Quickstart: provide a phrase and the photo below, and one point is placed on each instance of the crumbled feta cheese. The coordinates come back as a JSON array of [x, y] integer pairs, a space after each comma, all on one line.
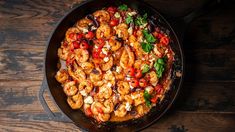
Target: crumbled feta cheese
[[132, 13], [104, 50], [88, 100], [107, 45], [130, 30], [149, 89], [84, 30], [131, 86], [117, 15], [106, 59], [128, 106], [96, 47], [109, 85], [131, 44], [93, 28], [128, 78], [118, 69], [83, 92]]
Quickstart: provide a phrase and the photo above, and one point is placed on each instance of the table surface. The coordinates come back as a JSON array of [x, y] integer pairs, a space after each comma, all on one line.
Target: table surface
[[207, 100]]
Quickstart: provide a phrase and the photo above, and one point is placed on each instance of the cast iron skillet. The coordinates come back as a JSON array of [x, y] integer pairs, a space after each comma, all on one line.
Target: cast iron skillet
[[56, 91]]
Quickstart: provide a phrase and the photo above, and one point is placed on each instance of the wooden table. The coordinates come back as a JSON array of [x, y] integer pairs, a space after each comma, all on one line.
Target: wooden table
[[207, 101]]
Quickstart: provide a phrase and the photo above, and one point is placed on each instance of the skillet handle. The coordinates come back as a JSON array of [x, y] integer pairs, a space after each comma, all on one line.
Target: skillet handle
[[53, 116]]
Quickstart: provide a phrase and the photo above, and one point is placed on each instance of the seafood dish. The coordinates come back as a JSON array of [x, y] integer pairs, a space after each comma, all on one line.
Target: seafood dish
[[115, 64]]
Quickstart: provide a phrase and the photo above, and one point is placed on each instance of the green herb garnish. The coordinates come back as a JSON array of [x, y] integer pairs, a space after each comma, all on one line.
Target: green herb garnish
[[145, 68], [148, 36], [141, 20], [147, 98], [159, 65], [123, 7], [129, 19], [147, 47]]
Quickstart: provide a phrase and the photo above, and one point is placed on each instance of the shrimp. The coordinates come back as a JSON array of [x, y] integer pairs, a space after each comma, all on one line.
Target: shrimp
[[70, 38], [140, 110], [115, 45], [87, 109], [119, 76], [76, 73], [138, 64], [76, 101], [138, 97], [81, 55], [103, 117], [83, 23], [121, 111], [109, 78], [126, 98], [62, 76], [87, 67], [123, 87], [122, 31], [105, 66], [104, 31], [87, 85], [153, 78], [70, 88], [105, 91], [102, 16], [96, 77], [127, 59], [132, 39], [63, 53]]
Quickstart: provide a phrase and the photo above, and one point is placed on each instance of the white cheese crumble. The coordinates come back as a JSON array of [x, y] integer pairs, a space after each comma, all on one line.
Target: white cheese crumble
[[131, 44], [130, 30], [109, 85], [93, 28], [117, 15], [106, 59], [128, 106], [83, 92], [84, 30], [118, 69], [88, 100], [128, 78], [131, 86], [132, 13], [149, 89], [107, 45], [104, 50]]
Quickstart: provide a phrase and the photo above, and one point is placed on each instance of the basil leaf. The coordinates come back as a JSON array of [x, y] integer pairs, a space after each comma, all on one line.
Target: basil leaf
[[148, 36], [129, 19], [147, 47], [159, 65], [145, 68], [141, 20], [123, 7], [147, 98]]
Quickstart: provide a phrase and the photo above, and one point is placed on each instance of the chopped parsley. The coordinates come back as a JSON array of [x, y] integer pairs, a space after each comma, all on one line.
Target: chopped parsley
[[145, 68], [129, 19], [148, 36], [159, 65], [141, 20], [147, 47], [123, 7], [147, 98]]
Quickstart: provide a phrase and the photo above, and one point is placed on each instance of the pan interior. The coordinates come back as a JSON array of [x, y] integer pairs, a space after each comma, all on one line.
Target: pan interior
[[57, 91]]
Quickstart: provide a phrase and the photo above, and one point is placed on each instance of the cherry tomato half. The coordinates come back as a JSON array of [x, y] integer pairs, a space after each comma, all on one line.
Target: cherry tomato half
[[131, 71], [159, 88], [79, 36], [99, 43], [90, 35], [84, 45], [72, 36], [138, 74], [143, 83], [112, 10], [114, 22], [88, 112], [75, 45], [154, 99], [164, 40], [134, 82]]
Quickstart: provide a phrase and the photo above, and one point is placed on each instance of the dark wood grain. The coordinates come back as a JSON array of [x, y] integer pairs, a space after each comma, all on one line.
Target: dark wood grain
[[206, 101]]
